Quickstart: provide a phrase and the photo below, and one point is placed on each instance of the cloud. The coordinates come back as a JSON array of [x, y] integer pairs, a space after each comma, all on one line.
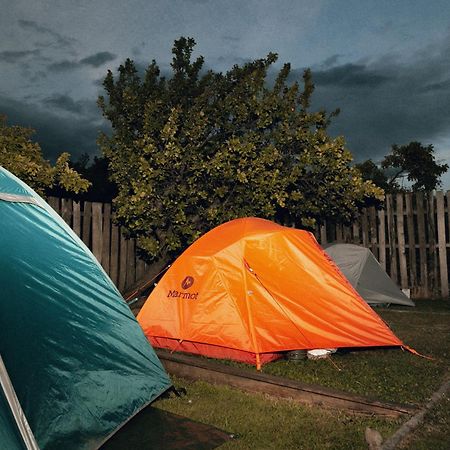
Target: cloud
[[15, 56], [60, 40], [66, 103], [98, 59], [95, 60], [63, 66], [387, 101], [55, 133], [350, 75]]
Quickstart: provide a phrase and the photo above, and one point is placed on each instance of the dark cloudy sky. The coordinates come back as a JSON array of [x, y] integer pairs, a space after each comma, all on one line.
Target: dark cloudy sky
[[384, 63]]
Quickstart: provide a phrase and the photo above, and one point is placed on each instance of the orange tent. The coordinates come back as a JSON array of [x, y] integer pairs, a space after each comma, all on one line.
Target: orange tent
[[250, 289]]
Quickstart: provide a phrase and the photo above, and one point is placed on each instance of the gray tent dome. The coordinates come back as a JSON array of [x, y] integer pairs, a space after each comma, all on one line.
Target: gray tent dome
[[366, 275]]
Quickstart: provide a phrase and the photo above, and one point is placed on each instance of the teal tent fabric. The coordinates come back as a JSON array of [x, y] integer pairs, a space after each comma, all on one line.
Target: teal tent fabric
[[78, 360], [9, 433]]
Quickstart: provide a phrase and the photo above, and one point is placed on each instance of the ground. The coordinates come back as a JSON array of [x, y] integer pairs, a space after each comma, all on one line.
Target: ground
[[262, 423]]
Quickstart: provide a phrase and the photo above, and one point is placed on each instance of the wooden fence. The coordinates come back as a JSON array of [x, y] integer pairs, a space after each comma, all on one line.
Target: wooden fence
[[93, 223], [410, 237]]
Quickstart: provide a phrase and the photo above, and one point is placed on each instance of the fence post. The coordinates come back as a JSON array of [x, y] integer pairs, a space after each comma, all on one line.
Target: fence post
[[423, 291], [411, 240], [382, 238], [401, 242], [443, 271], [97, 231]]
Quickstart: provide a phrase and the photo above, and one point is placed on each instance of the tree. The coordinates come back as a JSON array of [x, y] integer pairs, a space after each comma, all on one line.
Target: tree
[[371, 172], [413, 161], [417, 163], [102, 189], [23, 157], [198, 149]]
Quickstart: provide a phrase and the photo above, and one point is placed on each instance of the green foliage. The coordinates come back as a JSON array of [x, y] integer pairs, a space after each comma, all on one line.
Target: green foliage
[[417, 163], [370, 171], [96, 172], [413, 161], [201, 148], [23, 157]]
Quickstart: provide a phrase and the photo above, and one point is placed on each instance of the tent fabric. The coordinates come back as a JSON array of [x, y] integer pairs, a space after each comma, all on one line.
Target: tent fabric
[[366, 275], [76, 357], [14, 415], [254, 288]]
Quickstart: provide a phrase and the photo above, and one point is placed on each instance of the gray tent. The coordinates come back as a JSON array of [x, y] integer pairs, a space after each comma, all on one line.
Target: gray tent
[[366, 275]]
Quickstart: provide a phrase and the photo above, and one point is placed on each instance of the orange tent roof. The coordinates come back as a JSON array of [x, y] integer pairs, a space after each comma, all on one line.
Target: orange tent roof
[[251, 288]]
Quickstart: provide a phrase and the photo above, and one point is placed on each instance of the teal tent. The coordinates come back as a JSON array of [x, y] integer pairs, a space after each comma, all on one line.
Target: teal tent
[[74, 363]]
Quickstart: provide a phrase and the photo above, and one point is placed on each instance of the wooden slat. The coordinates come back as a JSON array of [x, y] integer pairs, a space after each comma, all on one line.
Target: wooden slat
[[355, 227], [87, 216], [106, 245], [76, 224], [347, 234], [114, 259], [131, 262], [54, 203], [423, 263], [123, 263], [339, 235], [401, 242], [316, 231], [411, 240], [391, 238], [373, 231], [97, 225], [66, 210], [140, 268], [382, 238], [443, 271], [432, 261], [365, 228], [323, 233], [448, 216], [190, 367]]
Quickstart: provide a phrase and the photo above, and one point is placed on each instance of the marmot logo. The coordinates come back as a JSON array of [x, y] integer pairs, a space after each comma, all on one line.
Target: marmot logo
[[187, 282]]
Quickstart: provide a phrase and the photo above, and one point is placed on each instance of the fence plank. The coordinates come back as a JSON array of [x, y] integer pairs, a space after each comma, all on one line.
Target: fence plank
[[323, 233], [114, 259], [356, 232], [401, 242], [97, 225], [106, 244], [391, 238], [382, 238], [373, 231], [54, 203], [140, 268], [411, 240], [347, 234], [131, 262], [432, 262], [424, 290], [66, 210], [364, 228], [87, 215], [123, 263], [442, 244], [76, 224], [339, 235]]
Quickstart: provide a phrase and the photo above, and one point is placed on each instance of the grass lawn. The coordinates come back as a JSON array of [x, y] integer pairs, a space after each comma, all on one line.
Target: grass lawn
[[265, 423]]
